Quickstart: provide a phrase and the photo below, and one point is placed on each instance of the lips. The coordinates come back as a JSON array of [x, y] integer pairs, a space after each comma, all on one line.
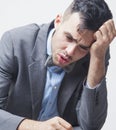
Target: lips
[[63, 59]]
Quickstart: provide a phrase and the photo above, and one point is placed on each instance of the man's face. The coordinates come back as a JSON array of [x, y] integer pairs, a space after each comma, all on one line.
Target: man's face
[[69, 44]]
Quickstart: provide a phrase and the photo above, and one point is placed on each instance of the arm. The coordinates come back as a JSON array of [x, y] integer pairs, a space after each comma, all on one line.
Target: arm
[[98, 50], [7, 120], [92, 108]]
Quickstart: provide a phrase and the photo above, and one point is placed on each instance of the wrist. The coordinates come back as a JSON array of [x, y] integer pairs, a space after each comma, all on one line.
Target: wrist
[[97, 59], [28, 124], [96, 71], [23, 125]]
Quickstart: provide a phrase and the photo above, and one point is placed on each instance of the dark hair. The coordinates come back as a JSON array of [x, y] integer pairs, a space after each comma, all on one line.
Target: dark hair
[[93, 12]]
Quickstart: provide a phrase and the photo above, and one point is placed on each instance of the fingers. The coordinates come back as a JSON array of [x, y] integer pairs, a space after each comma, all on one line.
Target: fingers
[[58, 123], [106, 32], [110, 28], [65, 124]]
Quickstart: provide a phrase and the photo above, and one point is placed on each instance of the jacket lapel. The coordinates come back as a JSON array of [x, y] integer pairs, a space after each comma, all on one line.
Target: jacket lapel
[[37, 70], [37, 74], [72, 81]]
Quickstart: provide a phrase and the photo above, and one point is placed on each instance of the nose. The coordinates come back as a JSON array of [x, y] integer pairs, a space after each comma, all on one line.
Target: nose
[[71, 49]]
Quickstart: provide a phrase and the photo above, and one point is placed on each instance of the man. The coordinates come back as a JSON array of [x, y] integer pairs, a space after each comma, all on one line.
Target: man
[[52, 76]]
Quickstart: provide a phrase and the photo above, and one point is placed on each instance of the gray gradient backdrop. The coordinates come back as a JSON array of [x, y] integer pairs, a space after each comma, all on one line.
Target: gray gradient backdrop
[[14, 13]]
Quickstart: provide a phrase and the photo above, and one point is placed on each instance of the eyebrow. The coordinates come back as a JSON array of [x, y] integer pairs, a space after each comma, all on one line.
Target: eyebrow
[[81, 45]]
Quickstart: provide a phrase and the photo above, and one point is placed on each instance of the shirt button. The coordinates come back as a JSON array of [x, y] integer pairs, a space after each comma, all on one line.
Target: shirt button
[[55, 87]]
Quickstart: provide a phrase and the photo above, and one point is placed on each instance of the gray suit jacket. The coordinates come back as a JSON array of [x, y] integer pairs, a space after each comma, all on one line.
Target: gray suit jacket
[[22, 81]]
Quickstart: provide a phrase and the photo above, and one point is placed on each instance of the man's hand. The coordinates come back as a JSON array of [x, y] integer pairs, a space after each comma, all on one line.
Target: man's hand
[[103, 38], [55, 123]]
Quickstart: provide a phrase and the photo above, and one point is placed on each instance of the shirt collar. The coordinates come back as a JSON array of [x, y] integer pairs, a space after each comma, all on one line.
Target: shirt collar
[[49, 45]]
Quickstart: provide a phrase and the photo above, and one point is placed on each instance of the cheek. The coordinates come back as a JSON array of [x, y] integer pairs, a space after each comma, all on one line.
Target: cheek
[[60, 46], [79, 54], [57, 47]]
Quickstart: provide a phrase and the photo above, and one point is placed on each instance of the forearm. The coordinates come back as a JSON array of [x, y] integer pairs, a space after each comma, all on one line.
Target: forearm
[[96, 71]]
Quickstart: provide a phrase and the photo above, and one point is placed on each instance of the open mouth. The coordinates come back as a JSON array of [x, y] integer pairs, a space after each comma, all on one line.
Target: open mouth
[[62, 59]]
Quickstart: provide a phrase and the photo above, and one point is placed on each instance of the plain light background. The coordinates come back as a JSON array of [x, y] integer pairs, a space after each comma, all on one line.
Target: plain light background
[[15, 13]]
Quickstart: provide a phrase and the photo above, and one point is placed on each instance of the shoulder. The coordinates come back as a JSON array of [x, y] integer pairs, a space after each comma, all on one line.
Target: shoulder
[[23, 32]]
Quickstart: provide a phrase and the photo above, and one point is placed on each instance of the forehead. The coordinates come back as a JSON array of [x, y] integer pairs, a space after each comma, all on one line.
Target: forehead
[[73, 25], [73, 21]]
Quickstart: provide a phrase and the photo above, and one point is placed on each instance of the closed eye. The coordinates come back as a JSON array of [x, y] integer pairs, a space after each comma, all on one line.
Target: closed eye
[[69, 38], [86, 48]]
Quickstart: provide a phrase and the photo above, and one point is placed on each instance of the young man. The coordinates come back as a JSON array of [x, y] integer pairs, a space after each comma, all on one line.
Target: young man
[[52, 76]]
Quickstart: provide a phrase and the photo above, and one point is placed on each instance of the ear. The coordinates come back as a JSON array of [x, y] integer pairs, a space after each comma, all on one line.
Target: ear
[[57, 20]]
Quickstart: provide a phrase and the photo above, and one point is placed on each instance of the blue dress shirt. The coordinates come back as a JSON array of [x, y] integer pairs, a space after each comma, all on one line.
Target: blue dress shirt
[[55, 75]]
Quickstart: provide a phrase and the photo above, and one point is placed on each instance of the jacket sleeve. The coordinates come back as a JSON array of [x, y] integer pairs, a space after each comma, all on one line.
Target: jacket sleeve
[[8, 121], [77, 128], [92, 107]]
